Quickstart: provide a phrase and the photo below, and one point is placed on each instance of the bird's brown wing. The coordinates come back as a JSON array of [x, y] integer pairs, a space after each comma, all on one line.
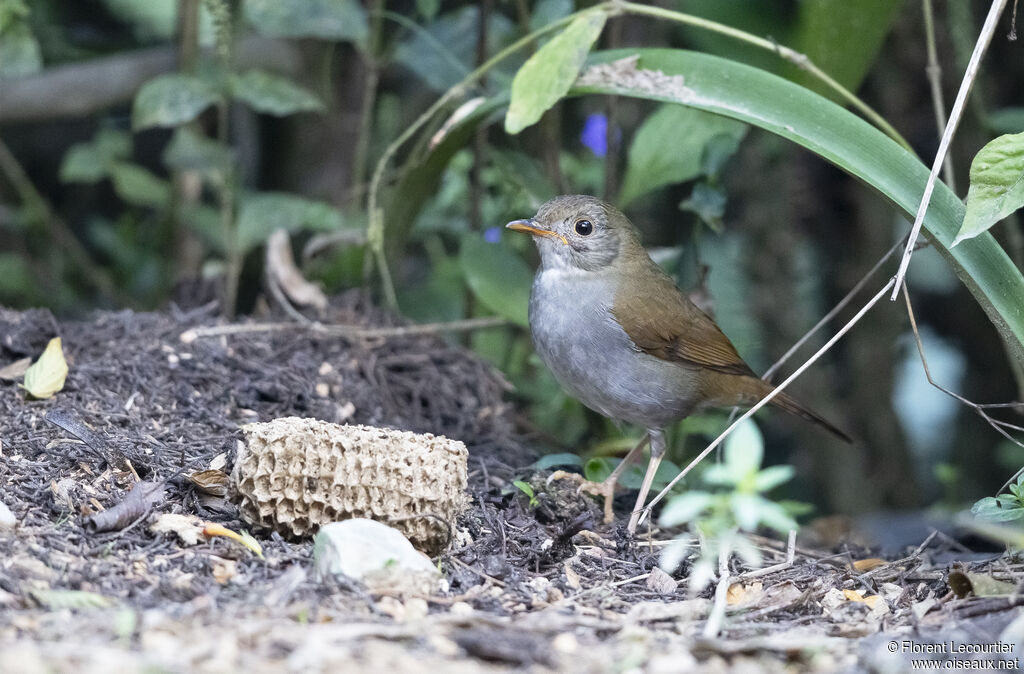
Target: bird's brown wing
[[661, 321]]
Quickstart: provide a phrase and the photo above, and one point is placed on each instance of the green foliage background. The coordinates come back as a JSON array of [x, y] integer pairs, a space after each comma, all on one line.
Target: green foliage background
[[246, 116]]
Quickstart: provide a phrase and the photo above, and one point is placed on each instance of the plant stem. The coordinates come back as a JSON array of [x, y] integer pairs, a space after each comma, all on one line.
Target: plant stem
[[369, 101], [934, 72], [971, 73], [796, 58]]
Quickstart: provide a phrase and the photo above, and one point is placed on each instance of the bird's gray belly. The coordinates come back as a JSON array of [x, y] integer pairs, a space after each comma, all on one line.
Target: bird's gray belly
[[593, 358]]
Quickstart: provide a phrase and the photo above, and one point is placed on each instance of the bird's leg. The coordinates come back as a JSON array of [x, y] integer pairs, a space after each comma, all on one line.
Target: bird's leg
[[605, 488], [657, 452]]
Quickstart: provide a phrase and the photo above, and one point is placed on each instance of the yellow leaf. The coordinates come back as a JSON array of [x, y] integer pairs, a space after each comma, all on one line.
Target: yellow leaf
[[868, 564], [245, 538], [858, 595], [46, 376]]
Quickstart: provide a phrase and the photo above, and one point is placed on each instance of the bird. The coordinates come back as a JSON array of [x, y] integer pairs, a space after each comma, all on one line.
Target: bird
[[619, 335]]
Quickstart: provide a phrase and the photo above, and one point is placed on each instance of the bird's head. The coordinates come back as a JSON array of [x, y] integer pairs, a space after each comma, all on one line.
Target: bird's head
[[580, 232]]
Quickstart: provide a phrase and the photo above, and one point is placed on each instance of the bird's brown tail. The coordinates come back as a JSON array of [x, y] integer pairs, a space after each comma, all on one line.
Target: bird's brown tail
[[790, 404]]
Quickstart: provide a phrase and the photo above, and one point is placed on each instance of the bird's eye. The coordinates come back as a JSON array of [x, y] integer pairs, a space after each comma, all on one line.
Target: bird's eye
[[583, 227]]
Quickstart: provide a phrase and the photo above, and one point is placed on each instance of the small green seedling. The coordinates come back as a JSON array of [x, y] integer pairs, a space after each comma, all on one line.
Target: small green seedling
[[528, 490]]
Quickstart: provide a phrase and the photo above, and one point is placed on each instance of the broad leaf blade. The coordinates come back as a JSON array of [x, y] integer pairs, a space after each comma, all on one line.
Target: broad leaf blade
[[668, 147], [46, 376], [497, 276], [547, 75], [997, 185], [170, 100], [774, 104], [325, 19], [272, 94]]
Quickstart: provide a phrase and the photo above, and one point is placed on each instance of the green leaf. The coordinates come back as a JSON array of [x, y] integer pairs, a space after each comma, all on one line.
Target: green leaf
[[550, 72], [997, 185], [797, 114], [746, 508], [526, 489], [1006, 120], [271, 94], [684, 508], [842, 37], [497, 276], [598, 468], [772, 476], [325, 19], [1003, 508], [192, 151], [552, 460], [92, 161], [774, 516], [171, 100], [262, 212], [444, 51], [139, 187], [744, 449], [669, 146], [708, 202], [19, 51]]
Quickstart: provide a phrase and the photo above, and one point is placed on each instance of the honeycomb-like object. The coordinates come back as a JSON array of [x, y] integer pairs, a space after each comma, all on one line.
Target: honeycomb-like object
[[295, 475]]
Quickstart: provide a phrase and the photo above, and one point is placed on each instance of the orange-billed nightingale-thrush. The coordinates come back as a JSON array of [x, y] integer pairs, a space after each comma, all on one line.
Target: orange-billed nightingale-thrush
[[619, 335]]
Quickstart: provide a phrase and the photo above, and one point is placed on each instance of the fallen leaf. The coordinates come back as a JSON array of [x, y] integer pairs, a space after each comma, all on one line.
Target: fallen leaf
[[224, 570], [868, 564], [46, 376], [858, 595], [213, 482], [661, 582], [740, 594], [980, 584], [15, 370], [58, 599], [188, 528], [213, 529]]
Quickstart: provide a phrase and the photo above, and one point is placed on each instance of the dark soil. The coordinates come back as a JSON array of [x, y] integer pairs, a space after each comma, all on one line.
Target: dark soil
[[544, 586]]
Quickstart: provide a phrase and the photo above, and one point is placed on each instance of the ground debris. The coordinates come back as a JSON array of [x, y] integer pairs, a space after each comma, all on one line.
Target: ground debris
[[542, 586]]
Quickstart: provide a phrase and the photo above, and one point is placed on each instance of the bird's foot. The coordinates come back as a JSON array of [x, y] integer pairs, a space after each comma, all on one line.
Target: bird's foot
[[605, 489]]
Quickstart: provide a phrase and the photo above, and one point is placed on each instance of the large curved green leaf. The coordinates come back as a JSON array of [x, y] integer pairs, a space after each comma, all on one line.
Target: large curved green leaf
[[777, 105]]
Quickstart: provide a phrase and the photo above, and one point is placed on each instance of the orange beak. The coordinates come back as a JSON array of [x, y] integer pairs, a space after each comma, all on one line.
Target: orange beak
[[529, 227]]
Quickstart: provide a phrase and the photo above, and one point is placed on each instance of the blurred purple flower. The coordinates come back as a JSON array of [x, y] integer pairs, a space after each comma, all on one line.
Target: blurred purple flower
[[492, 234], [595, 134]]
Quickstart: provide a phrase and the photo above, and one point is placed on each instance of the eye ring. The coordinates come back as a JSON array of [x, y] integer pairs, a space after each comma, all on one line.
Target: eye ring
[[583, 227]]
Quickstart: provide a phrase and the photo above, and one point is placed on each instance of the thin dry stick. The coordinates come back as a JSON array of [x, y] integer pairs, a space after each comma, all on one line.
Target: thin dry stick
[[987, 30], [764, 401], [782, 566], [348, 331], [934, 72], [979, 409], [714, 624]]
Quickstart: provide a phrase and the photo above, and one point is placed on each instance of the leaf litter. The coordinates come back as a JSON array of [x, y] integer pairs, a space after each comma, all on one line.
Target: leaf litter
[[535, 582]]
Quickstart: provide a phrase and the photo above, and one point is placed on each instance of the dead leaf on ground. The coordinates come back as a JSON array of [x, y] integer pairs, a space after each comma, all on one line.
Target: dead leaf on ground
[[15, 370], [661, 582], [213, 482], [868, 564], [46, 376], [964, 583], [740, 594], [188, 528], [282, 270]]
